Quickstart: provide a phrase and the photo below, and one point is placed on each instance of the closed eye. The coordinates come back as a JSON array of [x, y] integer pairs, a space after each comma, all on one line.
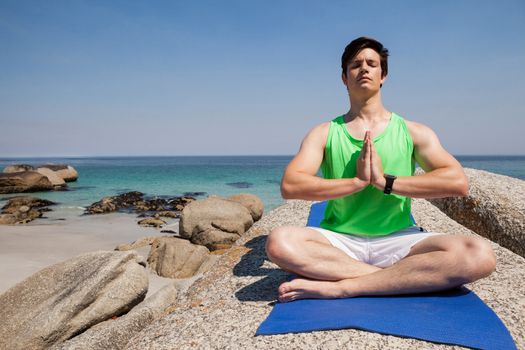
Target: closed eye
[[371, 63]]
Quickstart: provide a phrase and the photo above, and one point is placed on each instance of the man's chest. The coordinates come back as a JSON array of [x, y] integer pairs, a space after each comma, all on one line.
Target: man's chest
[[358, 130]]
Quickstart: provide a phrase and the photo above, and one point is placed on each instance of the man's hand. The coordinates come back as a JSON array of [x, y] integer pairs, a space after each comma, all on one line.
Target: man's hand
[[377, 177], [363, 168], [300, 180], [369, 167]]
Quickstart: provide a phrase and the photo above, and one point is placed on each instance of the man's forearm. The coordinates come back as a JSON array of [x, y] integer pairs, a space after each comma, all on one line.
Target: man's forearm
[[435, 184], [309, 187]]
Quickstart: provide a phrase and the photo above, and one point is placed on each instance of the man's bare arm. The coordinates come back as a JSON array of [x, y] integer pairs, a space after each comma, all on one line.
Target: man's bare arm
[[300, 180], [444, 175]]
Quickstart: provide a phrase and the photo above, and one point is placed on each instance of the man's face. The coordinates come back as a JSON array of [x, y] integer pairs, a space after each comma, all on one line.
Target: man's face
[[363, 72]]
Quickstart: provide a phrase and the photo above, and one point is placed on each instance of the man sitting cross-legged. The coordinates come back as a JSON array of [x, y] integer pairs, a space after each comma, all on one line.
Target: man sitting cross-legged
[[367, 244]]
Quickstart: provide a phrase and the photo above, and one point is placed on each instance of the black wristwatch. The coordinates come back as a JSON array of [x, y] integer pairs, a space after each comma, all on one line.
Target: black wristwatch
[[389, 182]]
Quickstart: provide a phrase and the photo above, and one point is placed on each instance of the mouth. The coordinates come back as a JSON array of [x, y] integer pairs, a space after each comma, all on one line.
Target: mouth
[[364, 78]]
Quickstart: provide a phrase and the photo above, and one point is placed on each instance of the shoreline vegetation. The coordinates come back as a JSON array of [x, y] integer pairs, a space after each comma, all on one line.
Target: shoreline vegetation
[[206, 260]]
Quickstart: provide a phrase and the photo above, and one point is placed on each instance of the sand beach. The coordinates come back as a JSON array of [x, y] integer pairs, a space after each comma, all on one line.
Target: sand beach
[[26, 249]]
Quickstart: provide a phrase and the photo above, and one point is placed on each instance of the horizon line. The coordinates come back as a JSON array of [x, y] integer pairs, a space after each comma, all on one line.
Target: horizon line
[[210, 155]]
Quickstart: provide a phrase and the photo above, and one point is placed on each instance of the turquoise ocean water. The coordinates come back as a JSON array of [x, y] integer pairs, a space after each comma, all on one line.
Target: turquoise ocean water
[[174, 176]]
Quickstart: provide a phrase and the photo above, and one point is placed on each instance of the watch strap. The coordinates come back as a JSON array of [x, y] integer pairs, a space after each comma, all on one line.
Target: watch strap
[[389, 183]]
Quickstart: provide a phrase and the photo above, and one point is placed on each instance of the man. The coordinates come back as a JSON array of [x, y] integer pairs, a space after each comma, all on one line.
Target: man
[[367, 243]]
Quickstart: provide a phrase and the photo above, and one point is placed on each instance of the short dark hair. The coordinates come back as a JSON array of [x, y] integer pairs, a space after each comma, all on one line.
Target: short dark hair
[[352, 49]]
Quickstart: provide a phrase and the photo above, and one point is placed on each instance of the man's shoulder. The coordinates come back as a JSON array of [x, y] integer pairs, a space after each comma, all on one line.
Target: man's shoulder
[[414, 124], [419, 131], [317, 136], [320, 130], [323, 126]]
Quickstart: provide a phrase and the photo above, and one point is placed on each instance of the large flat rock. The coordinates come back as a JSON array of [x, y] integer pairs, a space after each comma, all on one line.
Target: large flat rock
[[114, 334], [224, 308], [26, 181], [64, 299]]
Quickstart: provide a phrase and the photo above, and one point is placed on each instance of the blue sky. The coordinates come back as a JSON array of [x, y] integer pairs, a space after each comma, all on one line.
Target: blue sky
[[81, 78]]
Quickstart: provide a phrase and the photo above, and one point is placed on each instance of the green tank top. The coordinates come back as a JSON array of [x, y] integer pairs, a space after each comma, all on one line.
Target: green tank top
[[368, 212]]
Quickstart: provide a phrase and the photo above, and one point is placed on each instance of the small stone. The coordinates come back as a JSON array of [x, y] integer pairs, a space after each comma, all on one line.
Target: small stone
[[152, 222]]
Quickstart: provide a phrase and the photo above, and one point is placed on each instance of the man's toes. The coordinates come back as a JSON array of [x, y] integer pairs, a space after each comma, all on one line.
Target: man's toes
[[285, 288], [287, 297]]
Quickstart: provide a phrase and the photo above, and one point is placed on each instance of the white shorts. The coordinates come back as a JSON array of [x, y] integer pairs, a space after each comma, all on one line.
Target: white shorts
[[381, 251]]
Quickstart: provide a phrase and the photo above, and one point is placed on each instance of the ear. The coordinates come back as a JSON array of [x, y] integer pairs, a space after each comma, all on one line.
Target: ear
[[383, 79], [343, 77]]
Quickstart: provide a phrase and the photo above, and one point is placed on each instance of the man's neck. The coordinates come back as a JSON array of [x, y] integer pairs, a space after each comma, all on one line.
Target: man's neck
[[369, 109]]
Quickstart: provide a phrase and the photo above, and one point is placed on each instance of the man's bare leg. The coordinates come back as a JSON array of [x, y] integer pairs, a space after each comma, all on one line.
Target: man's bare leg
[[435, 263], [308, 253]]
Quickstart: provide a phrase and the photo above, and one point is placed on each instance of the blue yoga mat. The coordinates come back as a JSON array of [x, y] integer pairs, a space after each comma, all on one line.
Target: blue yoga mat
[[317, 214], [455, 317]]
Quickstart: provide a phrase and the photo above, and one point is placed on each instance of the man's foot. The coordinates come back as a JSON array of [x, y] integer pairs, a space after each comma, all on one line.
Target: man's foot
[[302, 288]]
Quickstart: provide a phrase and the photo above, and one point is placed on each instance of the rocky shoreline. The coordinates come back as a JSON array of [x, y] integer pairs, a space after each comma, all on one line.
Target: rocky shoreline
[[222, 304], [21, 178], [83, 292]]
